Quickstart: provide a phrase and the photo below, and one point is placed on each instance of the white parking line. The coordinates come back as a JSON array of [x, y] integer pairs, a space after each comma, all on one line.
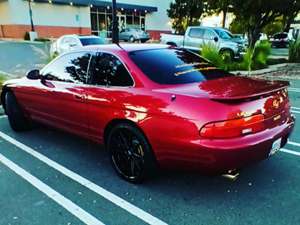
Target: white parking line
[[295, 108], [141, 214], [3, 116], [297, 112], [290, 151], [294, 90], [51, 193], [294, 143]]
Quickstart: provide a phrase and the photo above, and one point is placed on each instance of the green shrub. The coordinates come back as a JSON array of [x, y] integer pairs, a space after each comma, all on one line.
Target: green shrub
[[211, 53], [260, 54], [253, 59], [294, 51]]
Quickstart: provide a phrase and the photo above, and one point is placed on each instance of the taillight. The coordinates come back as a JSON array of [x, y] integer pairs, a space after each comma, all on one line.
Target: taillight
[[233, 128]]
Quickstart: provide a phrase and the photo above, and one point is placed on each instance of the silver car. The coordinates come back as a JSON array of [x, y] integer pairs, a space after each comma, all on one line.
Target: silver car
[[133, 34]]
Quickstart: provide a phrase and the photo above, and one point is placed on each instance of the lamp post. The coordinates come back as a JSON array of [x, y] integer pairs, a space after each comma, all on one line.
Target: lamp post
[[30, 15], [115, 28]]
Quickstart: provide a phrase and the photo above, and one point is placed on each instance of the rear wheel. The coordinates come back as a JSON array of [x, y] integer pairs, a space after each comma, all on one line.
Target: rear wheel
[[131, 39], [130, 152], [16, 117]]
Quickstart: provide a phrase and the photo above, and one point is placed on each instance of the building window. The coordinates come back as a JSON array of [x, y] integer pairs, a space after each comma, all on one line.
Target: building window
[[101, 21]]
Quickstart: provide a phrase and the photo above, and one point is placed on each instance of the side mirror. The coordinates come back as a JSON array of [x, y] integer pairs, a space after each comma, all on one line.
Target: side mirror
[[216, 39], [33, 75]]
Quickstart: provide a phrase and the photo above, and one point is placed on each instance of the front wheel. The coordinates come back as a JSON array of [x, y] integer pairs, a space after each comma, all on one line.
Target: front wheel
[[131, 39], [130, 152], [227, 55], [17, 120]]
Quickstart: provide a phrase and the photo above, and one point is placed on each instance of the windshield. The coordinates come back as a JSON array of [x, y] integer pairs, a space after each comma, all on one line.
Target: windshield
[[91, 41], [175, 66], [224, 34], [280, 36]]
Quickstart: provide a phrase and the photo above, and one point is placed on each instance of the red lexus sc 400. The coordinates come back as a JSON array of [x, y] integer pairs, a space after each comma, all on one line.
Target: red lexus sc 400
[[154, 106]]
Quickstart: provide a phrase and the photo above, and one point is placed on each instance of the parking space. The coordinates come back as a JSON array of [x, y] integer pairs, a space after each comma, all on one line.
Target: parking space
[[50, 177], [80, 174]]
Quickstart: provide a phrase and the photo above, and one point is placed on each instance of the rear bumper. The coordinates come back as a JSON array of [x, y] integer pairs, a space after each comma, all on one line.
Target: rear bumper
[[218, 156]]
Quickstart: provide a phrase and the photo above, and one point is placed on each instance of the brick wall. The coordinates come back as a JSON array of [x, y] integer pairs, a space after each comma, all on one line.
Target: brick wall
[[18, 31]]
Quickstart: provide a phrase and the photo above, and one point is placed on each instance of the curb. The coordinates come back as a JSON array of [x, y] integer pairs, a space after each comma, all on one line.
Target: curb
[[270, 69]]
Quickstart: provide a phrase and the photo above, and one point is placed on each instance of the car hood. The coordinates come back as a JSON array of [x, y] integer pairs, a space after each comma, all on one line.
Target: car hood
[[228, 88]]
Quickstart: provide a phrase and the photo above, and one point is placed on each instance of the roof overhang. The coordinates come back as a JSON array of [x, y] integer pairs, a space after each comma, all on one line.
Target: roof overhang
[[100, 4]]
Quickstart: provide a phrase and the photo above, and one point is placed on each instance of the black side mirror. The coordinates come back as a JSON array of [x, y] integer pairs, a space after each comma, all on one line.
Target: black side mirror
[[33, 75], [216, 39]]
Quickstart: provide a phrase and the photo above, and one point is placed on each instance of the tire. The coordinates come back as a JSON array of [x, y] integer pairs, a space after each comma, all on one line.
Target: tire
[[227, 55], [131, 39], [16, 117], [131, 154]]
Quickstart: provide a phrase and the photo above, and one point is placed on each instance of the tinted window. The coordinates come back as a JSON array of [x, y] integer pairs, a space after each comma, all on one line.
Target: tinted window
[[224, 34], [109, 70], [91, 41], [175, 66], [69, 68], [196, 33]]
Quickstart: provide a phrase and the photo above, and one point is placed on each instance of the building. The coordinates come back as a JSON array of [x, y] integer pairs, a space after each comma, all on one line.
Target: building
[[53, 18]]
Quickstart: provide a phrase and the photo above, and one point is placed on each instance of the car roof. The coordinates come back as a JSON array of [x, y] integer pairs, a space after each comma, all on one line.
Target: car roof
[[125, 47]]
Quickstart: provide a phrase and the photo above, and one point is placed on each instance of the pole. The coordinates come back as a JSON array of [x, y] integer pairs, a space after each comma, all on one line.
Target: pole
[[115, 29], [30, 15]]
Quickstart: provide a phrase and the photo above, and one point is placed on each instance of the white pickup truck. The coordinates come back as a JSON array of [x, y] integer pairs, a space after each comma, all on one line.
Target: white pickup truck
[[195, 37]]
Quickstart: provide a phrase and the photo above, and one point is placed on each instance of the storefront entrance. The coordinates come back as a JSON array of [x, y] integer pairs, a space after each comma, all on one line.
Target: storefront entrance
[[101, 20]]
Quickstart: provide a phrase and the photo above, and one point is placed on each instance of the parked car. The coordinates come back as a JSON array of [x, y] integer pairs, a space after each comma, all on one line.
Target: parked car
[[154, 106], [196, 36], [241, 38], [281, 40], [132, 35], [71, 42]]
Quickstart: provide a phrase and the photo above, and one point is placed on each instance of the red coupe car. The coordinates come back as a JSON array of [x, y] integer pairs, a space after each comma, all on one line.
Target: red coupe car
[[154, 106]]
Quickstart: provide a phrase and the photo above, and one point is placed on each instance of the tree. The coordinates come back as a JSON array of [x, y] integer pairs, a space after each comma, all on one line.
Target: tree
[[259, 13], [220, 6], [185, 13], [291, 13]]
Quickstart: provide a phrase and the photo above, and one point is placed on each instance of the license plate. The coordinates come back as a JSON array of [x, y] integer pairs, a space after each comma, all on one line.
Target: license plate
[[275, 146]]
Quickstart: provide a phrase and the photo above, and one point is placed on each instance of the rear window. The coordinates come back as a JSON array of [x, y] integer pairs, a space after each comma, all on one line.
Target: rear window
[[91, 41], [175, 66]]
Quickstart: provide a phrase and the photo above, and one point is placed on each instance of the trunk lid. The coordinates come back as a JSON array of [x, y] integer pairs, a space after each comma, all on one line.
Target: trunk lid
[[231, 88]]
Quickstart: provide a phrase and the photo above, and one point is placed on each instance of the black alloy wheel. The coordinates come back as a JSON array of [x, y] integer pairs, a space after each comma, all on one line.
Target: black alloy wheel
[[131, 155], [16, 117]]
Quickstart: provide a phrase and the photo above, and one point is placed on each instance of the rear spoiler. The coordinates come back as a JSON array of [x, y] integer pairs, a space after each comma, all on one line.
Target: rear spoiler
[[283, 85]]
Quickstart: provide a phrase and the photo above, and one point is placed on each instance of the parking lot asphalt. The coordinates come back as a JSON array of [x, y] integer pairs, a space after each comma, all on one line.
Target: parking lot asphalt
[[49, 177], [16, 58]]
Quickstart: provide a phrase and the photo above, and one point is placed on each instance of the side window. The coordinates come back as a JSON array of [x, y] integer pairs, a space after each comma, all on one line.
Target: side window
[[109, 70], [196, 33], [70, 68], [208, 34]]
